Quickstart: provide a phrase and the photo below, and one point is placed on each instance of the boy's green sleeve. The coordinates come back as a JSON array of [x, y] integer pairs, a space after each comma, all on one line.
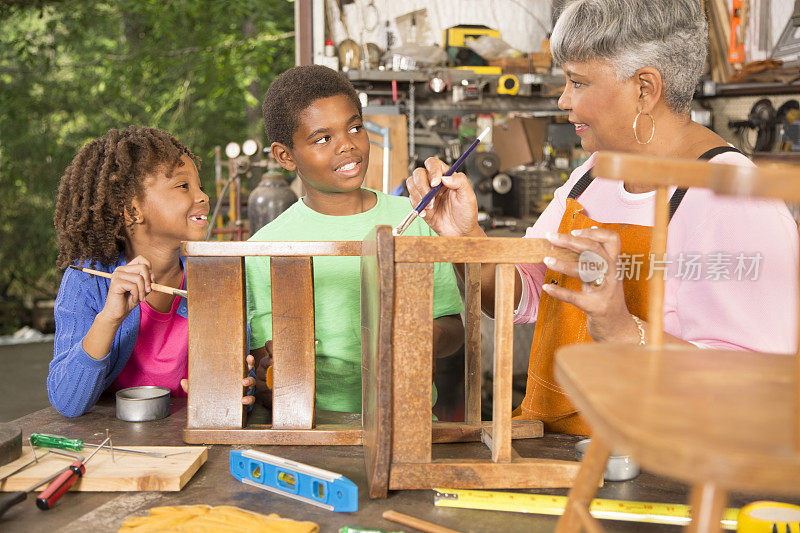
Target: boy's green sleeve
[[259, 300], [446, 296]]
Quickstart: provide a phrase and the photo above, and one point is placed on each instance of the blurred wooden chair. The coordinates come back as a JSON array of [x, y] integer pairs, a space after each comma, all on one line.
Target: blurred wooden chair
[[719, 420], [397, 307]]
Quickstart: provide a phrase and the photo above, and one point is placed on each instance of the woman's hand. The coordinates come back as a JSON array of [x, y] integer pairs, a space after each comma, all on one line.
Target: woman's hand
[[453, 212], [608, 318], [247, 383], [130, 285]]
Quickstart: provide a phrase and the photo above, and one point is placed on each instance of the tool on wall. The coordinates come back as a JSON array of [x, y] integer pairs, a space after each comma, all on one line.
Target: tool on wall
[[788, 117], [762, 118], [738, 24]]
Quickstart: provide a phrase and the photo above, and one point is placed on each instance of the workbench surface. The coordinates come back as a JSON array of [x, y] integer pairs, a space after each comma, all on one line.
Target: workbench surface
[[214, 485]]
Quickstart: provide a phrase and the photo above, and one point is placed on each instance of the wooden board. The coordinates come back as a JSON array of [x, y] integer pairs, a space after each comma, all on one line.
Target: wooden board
[[269, 248], [470, 473], [412, 363], [217, 341], [476, 250], [293, 342], [378, 446], [129, 473]]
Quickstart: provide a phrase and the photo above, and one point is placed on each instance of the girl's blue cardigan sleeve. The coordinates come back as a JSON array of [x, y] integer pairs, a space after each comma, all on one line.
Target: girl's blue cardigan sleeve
[[76, 380]]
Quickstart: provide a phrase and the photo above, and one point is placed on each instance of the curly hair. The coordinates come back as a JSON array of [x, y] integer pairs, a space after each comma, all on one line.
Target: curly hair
[[99, 185], [296, 89]]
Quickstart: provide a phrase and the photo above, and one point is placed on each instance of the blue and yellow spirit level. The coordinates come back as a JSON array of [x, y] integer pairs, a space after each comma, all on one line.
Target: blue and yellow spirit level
[[309, 484]]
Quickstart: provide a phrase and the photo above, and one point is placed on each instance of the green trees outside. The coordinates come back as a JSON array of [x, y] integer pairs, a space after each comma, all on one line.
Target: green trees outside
[[70, 70]]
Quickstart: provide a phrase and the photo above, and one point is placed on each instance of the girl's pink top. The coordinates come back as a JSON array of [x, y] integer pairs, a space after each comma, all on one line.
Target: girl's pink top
[[160, 355]]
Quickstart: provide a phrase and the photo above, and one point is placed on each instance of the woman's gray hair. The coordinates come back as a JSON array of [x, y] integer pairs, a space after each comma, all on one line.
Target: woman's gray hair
[[668, 35]]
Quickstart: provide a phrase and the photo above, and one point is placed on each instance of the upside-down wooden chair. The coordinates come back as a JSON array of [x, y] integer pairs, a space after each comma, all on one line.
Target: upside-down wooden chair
[[397, 307], [217, 348], [718, 420], [215, 275]]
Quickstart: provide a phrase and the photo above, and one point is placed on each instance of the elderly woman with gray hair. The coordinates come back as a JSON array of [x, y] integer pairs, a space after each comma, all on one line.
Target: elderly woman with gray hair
[[631, 68]]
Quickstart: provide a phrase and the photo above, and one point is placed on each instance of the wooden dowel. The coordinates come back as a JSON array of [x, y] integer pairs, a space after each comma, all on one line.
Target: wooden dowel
[[658, 248], [589, 522], [154, 286], [410, 521]]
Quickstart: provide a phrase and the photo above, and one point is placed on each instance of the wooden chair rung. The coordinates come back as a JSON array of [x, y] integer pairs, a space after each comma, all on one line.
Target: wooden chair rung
[[293, 346], [503, 363], [413, 363], [216, 362], [472, 344]]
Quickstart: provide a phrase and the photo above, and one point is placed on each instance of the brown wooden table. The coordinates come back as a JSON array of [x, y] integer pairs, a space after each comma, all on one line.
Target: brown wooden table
[[214, 485]]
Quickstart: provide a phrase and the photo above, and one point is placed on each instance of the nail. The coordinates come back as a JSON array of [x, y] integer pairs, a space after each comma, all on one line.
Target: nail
[[549, 261], [547, 287], [575, 232], [551, 236]]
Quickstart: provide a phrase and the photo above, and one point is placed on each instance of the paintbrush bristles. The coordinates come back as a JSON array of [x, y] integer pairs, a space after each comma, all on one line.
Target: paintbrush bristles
[[153, 286]]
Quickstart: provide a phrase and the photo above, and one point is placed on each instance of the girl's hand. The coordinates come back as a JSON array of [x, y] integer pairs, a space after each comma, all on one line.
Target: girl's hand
[[130, 285], [453, 212], [263, 387], [247, 383], [608, 318]]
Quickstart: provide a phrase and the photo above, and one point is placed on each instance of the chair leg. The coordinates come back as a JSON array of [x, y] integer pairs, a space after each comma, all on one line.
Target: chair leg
[[583, 491], [708, 504]]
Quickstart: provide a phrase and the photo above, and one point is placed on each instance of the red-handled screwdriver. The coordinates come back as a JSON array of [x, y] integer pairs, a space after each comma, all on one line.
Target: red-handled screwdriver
[[49, 496], [7, 501]]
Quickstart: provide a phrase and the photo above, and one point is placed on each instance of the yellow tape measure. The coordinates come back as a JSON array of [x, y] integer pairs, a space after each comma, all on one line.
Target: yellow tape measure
[[653, 513], [769, 517]]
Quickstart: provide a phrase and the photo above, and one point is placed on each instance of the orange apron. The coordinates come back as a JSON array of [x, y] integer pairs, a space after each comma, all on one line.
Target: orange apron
[[560, 324]]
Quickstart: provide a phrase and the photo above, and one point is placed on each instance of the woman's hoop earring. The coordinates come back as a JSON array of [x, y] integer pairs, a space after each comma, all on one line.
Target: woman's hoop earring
[[636, 123]]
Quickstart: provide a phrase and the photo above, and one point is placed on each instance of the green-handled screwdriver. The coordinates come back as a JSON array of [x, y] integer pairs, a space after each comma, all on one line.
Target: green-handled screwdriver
[[43, 440]]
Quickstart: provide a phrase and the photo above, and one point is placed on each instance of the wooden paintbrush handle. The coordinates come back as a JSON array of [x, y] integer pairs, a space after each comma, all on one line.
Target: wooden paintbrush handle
[[154, 286]]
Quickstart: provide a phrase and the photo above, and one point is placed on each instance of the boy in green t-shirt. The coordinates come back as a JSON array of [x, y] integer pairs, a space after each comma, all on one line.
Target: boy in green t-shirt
[[312, 116]]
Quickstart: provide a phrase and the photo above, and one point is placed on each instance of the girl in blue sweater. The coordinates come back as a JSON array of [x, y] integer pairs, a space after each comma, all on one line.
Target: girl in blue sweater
[[124, 205]]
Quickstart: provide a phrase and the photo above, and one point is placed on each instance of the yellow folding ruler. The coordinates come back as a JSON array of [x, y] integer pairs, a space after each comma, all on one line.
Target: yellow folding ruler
[[654, 513]]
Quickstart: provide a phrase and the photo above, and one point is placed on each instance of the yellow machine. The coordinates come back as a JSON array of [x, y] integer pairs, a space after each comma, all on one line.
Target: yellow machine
[[457, 35]]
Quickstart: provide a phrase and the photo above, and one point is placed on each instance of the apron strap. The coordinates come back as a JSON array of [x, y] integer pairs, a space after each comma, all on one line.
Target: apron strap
[[678, 195], [583, 183]]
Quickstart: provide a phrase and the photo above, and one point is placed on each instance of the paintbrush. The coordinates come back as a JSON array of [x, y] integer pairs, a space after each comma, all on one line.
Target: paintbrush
[[427, 198], [154, 286]]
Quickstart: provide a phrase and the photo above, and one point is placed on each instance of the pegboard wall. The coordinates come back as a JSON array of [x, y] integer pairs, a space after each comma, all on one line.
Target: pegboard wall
[[736, 108]]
